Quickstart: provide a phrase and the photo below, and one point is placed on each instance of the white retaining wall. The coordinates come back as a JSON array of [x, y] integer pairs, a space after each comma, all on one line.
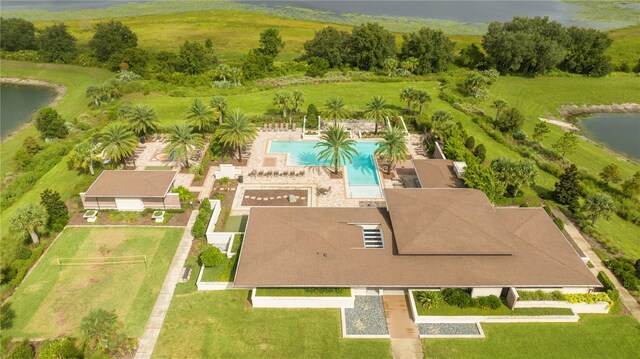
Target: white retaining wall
[[211, 285], [599, 308], [301, 302], [222, 240], [483, 292]]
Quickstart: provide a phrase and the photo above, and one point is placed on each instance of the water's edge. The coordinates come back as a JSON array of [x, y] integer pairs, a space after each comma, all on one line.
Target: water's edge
[[59, 89]]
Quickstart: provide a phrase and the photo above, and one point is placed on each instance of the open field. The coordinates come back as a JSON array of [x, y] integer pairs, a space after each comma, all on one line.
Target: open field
[[223, 325], [52, 301], [594, 336], [626, 46]]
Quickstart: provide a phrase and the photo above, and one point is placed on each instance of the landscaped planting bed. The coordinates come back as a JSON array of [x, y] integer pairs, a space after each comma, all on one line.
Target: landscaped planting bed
[[448, 329], [444, 309], [366, 317], [303, 292]]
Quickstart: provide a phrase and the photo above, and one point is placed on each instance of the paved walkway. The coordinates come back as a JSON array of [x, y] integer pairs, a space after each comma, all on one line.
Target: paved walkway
[[628, 300], [405, 337]]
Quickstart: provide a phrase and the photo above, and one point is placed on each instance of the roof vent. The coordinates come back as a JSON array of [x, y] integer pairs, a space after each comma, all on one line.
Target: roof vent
[[372, 236]]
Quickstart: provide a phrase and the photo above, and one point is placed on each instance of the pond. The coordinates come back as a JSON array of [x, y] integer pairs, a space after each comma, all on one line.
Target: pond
[[19, 102], [619, 131]]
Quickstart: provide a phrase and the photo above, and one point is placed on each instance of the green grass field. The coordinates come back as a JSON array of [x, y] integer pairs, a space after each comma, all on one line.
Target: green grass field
[[224, 325], [52, 300], [594, 336]]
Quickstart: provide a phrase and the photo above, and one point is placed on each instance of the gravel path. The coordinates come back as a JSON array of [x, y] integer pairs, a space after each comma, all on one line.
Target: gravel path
[[449, 329], [366, 317]]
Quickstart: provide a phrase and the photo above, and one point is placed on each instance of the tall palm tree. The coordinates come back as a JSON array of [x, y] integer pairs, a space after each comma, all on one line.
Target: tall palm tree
[[117, 142], [337, 147], [200, 115], [219, 104], [142, 119], [182, 142], [298, 99], [283, 100], [84, 156], [393, 147], [29, 219], [237, 131], [408, 94], [377, 110], [335, 109], [499, 105], [422, 97]]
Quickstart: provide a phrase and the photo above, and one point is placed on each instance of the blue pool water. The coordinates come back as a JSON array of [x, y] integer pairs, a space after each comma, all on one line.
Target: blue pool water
[[361, 173]]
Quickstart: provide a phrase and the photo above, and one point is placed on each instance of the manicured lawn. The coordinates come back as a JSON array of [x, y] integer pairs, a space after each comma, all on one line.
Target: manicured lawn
[[235, 224], [52, 300], [222, 324], [450, 310], [302, 292], [594, 336]]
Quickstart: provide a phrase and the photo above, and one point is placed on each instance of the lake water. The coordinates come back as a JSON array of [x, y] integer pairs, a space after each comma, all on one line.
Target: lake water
[[462, 11], [19, 102], [619, 131]]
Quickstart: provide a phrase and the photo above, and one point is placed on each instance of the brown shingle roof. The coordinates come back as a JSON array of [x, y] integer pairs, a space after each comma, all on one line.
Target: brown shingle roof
[[312, 247], [445, 221], [132, 184], [437, 174]]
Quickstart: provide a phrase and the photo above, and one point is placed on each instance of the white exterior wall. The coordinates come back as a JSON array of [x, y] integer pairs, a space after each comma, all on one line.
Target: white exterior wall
[[301, 302], [600, 307], [565, 290], [483, 292]]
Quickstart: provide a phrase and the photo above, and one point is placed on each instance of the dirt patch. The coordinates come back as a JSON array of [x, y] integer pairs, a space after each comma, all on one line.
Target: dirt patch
[[274, 197]]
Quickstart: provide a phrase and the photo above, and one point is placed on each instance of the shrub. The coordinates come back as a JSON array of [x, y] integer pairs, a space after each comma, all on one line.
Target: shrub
[[184, 194], [481, 152], [589, 298], [559, 223], [61, 348], [548, 210], [199, 229], [23, 253], [608, 285], [457, 297], [429, 298], [205, 206], [322, 290], [540, 295], [520, 135], [489, 302], [624, 269], [470, 142], [211, 256], [23, 350]]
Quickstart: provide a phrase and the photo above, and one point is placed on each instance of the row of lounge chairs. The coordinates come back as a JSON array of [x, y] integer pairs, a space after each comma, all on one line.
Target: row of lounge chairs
[[263, 173], [270, 198], [267, 127]]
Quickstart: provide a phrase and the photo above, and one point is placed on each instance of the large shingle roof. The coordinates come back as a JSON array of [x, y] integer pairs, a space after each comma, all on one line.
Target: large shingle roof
[[131, 184], [437, 174]]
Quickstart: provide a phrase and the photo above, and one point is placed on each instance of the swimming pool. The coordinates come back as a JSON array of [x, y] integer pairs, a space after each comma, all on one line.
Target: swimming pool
[[362, 176]]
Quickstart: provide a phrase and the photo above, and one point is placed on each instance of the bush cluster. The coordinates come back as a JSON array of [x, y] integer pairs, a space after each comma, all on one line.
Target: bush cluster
[[624, 269], [589, 298], [540, 295], [200, 226], [211, 256], [608, 286], [462, 299]]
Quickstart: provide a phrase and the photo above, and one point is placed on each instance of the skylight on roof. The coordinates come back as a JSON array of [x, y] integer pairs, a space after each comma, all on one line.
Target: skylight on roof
[[372, 236]]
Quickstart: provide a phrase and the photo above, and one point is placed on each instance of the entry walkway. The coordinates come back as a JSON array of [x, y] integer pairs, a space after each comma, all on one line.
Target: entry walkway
[[405, 337], [628, 300]]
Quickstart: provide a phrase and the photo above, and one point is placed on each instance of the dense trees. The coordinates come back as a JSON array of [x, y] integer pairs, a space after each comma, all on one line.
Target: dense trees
[[328, 44], [369, 45], [432, 48], [17, 34], [110, 38], [525, 45], [50, 124], [533, 46], [336, 148], [472, 58], [259, 61], [271, 42], [585, 52], [195, 58], [57, 44]]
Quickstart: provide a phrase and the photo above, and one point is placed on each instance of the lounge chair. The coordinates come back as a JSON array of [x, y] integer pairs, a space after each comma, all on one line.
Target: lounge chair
[[260, 173], [253, 173], [269, 173]]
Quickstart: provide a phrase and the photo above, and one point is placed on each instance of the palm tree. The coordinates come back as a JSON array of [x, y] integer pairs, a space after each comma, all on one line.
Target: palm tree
[[408, 94], [284, 101], [117, 142], [410, 64], [377, 110], [83, 157], [182, 141], [335, 109], [235, 74], [499, 105], [393, 148], [422, 97], [219, 104], [29, 219], [337, 147], [142, 119], [200, 115], [298, 99], [237, 131]]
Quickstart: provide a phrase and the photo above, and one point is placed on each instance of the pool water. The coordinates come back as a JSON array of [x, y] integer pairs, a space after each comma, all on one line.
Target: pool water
[[362, 176]]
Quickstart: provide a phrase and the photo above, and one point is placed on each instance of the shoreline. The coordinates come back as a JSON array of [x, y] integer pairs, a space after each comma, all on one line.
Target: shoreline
[[59, 89]]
